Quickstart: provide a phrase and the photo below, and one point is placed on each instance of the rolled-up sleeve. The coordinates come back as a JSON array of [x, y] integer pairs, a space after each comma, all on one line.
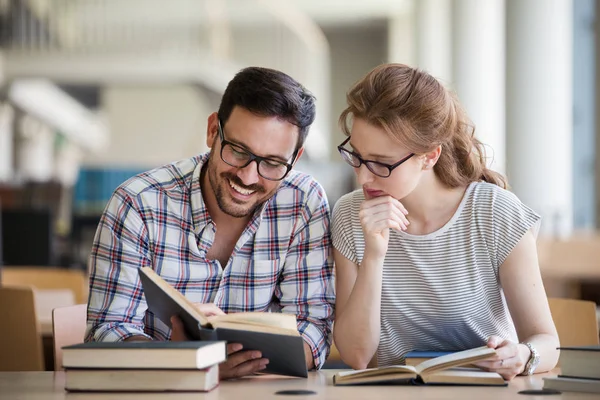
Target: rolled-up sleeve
[[307, 287], [116, 307]]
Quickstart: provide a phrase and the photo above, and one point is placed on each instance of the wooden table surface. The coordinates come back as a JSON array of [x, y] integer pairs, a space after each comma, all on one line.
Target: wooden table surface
[[50, 385]]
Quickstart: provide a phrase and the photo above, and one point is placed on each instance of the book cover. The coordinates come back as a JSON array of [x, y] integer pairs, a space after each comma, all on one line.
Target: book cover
[[567, 384], [416, 357], [580, 362], [148, 380], [145, 355]]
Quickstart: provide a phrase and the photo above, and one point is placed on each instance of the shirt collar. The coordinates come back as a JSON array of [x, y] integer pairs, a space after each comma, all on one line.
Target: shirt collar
[[200, 215]]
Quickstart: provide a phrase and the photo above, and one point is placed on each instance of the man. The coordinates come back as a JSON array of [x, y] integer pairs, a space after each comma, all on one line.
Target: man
[[234, 230]]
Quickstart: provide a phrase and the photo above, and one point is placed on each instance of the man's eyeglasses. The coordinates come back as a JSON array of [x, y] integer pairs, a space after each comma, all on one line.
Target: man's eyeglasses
[[378, 168], [237, 156]]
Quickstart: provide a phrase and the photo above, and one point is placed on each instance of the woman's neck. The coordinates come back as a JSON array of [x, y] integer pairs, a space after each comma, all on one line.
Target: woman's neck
[[431, 205]]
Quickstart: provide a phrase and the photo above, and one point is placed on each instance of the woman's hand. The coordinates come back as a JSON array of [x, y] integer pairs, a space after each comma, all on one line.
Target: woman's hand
[[510, 359], [377, 216]]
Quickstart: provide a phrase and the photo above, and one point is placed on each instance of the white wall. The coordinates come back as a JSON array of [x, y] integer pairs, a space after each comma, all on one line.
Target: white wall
[[354, 52], [153, 125], [274, 46]]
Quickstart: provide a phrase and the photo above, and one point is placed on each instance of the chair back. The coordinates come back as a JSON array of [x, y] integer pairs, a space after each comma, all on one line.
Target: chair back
[[68, 326], [576, 322], [20, 339], [48, 278]]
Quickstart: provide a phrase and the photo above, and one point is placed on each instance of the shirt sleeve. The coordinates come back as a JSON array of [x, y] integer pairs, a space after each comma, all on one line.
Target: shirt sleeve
[[116, 308], [306, 287], [511, 219], [341, 228]]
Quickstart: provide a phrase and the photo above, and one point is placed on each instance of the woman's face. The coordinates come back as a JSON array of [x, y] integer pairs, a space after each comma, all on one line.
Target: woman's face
[[373, 143]]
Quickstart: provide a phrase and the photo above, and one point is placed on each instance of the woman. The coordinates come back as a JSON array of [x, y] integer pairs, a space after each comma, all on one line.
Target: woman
[[432, 253]]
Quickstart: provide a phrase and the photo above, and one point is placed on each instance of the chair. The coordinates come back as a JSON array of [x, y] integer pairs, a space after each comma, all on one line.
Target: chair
[[68, 326], [575, 321], [48, 278], [20, 339]]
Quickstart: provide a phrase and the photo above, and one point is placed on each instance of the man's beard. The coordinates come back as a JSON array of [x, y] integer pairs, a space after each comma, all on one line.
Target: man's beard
[[222, 196]]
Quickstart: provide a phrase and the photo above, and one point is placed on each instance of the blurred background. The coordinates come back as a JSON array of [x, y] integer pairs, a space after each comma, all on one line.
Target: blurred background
[[95, 91]]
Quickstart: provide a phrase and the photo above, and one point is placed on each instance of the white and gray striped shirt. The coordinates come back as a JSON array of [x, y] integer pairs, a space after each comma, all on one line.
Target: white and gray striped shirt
[[441, 291]]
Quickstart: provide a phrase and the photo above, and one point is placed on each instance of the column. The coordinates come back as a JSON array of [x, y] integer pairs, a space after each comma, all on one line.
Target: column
[[433, 33], [401, 46], [539, 108], [478, 64]]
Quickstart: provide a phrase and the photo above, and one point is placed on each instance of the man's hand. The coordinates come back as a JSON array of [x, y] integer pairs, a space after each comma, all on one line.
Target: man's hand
[[308, 357], [239, 362], [178, 332]]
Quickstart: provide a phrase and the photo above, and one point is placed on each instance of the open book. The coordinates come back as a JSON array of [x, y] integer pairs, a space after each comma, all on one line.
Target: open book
[[275, 335], [437, 370]]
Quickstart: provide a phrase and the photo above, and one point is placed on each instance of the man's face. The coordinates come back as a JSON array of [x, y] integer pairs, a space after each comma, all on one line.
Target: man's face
[[240, 191]]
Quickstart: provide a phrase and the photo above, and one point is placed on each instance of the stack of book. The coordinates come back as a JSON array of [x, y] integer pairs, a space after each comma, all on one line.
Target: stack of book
[[143, 366], [580, 370]]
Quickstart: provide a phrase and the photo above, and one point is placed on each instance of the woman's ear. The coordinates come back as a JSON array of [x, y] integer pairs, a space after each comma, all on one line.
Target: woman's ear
[[431, 158]]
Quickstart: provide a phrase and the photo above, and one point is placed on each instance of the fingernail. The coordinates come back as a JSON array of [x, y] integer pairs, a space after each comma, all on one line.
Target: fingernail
[[264, 362], [256, 354], [237, 347]]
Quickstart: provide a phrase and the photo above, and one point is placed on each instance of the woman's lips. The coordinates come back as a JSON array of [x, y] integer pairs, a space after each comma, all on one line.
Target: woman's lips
[[374, 193]]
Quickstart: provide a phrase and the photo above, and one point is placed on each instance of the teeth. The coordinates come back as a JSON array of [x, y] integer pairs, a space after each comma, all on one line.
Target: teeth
[[243, 191]]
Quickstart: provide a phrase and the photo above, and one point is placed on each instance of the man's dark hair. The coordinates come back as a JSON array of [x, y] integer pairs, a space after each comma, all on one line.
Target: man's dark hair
[[270, 93]]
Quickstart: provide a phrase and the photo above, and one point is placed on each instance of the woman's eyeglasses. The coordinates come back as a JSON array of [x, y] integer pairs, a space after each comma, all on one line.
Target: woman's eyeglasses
[[377, 168]]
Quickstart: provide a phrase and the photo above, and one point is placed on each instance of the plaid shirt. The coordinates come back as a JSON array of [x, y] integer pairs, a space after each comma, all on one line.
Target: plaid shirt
[[281, 262]]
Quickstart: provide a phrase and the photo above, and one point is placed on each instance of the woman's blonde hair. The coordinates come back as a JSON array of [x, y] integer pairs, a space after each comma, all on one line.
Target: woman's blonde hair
[[421, 114]]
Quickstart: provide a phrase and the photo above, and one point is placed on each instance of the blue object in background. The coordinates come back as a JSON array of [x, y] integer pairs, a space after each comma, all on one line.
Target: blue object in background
[[95, 186]]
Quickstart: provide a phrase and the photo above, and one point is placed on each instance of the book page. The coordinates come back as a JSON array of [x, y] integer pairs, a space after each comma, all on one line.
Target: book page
[[362, 373], [465, 377], [276, 320], [455, 359], [245, 326], [173, 293]]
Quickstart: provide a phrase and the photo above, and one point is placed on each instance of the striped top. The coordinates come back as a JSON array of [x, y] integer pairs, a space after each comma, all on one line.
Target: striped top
[[441, 291], [281, 262]]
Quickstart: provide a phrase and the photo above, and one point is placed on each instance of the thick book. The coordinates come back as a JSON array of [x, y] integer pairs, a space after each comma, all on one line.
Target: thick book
[[145, 355], [565, 384], [142, 380], [440, 371], [275, 335], [580, 362]]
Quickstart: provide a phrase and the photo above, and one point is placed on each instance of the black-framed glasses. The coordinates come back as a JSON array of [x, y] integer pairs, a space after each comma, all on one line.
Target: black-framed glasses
[[378, 168], [237, 156]]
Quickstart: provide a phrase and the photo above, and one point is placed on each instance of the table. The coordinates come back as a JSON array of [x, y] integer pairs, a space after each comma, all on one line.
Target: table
[[49, 385]]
